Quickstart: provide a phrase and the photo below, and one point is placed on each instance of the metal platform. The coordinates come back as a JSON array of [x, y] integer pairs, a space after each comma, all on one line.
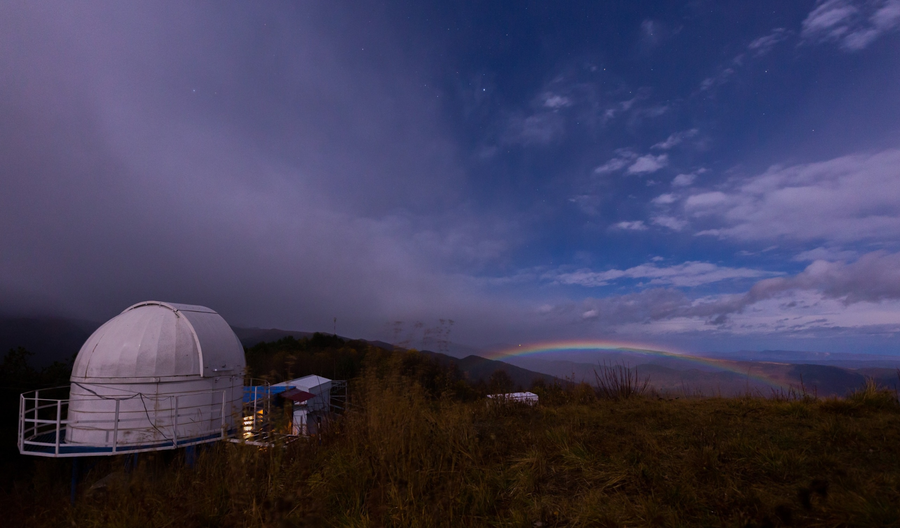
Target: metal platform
[[43, 423], [46, 445]]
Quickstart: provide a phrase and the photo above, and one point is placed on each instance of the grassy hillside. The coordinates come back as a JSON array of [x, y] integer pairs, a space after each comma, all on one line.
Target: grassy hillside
[[409, 455]]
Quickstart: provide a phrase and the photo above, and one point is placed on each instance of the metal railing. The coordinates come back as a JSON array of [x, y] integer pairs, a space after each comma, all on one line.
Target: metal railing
[[43, 422], [256, 420]]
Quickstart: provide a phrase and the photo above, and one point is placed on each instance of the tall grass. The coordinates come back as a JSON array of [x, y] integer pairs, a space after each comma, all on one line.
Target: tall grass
[[405, 455]]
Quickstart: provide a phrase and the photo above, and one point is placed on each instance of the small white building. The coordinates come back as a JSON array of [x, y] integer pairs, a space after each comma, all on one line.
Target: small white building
[[528, 398], [158, 375], [311, 396]]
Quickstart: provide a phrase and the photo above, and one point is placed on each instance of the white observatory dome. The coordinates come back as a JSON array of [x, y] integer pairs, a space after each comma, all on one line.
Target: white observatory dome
[[157, 374], [160, 341]]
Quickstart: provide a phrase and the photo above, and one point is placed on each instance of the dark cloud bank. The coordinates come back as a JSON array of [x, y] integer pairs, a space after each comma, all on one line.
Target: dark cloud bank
[[282, 164]]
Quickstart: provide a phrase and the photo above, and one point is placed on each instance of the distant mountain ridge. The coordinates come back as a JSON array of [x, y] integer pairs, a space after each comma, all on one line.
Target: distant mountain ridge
[[48, 338], [59, 339], [254, 336], [841, 359], [732, 378], [694, 360], [476, 368]]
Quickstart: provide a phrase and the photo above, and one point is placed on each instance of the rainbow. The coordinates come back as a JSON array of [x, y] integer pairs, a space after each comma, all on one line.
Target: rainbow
[[640, 349]]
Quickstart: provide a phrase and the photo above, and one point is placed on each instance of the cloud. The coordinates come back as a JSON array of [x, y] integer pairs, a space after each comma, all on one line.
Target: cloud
[[863, 296], [700, 203], [590, 314], [829, 254], [641, 307], [651, 32], [675, 224], [625, 106], [555, 101], [688, 274], [874, 277], [648, 164], [887, 17], [655, 310], [745, 253], [717, 80], [664, 312], [639, 114], [853, 25], [541, 128], [637, 225], [623, 158], [763, 45], [808, 314], [196, 169], [545, 121], [664, 199], [565, 99], [683, 180], [675, 139], [758, 48], [852, 198], [630, 108], [829, 16], [588, 203]]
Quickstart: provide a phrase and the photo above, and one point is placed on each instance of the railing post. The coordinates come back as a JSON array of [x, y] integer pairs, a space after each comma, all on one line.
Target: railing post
[[175, 425], [33, 431], [255, 398], [222, 412], [58, 418], [20, 440], [36, 405], [116, 428]]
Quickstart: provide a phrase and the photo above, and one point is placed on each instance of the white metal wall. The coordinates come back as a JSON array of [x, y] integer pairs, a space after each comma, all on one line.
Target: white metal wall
[[103, 414]]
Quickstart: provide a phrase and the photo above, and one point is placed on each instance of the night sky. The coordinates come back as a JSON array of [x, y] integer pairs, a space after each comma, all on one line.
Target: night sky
[[702, 175]]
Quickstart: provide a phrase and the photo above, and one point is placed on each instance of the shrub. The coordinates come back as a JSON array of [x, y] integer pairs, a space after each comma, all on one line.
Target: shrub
[[874, 397], [615, 382]]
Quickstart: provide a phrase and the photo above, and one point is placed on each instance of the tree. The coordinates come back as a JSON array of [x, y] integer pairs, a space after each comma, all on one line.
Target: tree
[[15, 370]]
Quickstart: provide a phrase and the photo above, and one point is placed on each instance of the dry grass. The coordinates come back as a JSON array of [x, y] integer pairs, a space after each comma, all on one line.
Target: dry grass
[[401, 458]]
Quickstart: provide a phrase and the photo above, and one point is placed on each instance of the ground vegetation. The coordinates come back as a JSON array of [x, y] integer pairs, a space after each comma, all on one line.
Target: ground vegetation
[[420, 447]]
